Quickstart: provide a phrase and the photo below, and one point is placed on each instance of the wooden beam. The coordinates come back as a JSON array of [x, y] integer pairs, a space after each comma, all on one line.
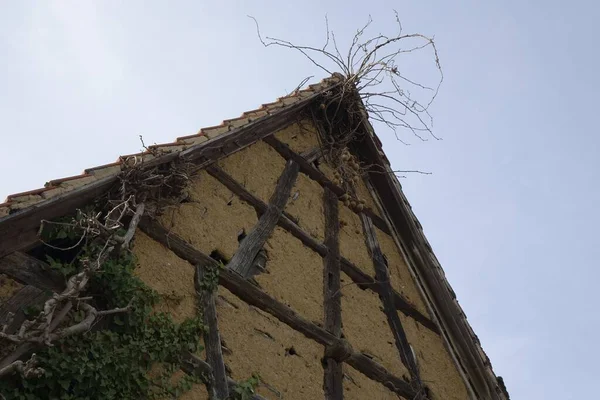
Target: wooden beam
[[19, 229], [242, 260], [355, 273], [252, 295], [31, 271], [333, 373], [375, 371], [239, 190], [364, 280], [212, 340], [456, 329], [305, 166], [385, 293]]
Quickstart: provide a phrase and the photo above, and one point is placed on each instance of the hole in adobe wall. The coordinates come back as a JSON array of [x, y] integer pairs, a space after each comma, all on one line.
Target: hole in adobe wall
[[218, 256], [241, 235], [291, 351]]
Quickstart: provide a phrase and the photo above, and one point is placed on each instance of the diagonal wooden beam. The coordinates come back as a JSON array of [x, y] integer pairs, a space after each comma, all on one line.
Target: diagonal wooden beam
[[333, 373], [252, 295], [385, 293], [218, 387], [241, 262], [305, 166], [354, 272]]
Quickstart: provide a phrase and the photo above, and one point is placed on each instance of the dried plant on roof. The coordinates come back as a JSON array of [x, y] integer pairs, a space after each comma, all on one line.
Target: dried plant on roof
[[373, 73]]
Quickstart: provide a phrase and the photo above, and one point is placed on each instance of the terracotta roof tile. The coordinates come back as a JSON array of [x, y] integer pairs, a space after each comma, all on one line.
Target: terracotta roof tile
[[19, 201]]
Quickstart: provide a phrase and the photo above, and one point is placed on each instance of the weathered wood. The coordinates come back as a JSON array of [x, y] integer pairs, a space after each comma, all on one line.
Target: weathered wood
[[241, 262], [195, 366], [385, 293], [27, 296], [212, 340], [332, 374], [377, 372], [252, 295], [305, 166], [31, 271], [363, 280], [355, 273]]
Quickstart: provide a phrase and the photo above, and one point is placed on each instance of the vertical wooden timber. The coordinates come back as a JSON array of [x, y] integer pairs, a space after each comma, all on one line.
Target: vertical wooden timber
[[333, 374], [242, 260], [386, 294], [218, 388]]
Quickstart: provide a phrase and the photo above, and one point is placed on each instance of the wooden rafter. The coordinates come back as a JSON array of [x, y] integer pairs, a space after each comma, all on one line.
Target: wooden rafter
[[243, 259], [252, 295]]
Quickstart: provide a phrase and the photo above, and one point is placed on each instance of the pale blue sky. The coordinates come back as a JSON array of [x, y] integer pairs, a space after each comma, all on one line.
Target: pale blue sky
[[511, 207]]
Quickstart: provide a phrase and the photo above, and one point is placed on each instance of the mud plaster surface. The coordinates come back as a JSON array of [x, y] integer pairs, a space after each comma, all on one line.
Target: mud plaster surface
[[363, 193], [169, 275], [365, 326], [400, 276], [326, 169], [300, 136], [294, 275], [352, 240], [257, 343], [212, 219], [8, 288], [436, 367], [306, 204], [359, 387], [257, 168]]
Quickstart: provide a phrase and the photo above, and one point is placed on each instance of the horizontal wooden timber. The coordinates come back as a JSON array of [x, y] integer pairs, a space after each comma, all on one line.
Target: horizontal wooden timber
[[355, 273], [305, 166], [252, 295]]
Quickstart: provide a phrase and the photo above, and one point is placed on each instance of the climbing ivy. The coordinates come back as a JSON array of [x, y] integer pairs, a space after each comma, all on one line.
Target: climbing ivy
[[114, 360], [245, 390]]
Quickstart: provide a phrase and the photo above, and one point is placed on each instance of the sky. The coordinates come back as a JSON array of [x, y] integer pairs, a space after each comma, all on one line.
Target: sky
[[510, 207]]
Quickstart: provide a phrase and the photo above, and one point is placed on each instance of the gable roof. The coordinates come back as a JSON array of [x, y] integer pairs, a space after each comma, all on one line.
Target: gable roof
[[21, 213]]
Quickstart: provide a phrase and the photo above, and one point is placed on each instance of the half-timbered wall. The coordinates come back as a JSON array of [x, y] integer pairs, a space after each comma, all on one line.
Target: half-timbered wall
[[215, 218], [315, 297]]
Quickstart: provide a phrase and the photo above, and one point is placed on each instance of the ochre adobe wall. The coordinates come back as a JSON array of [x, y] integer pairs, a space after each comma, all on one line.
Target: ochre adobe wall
[[212, 219]]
